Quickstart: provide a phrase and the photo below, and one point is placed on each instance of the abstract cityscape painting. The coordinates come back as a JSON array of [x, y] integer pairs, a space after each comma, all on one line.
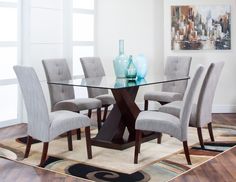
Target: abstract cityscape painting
[[201, 27]]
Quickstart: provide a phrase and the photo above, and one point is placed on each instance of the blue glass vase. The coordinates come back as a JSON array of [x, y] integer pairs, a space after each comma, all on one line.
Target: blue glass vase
[[121, 62], [140, 62], [131, 71]]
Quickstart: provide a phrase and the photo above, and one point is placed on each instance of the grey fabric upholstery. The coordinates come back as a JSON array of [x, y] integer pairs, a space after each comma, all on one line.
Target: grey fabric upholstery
[[175, 66], [92, 67], [207, 93], [58, 70], [185, 112], [174, 108], [106, 99], [159, 122], [201, 112], [167, 123], [78, 104], [163, 96], [63, 97], [63, 121], [42, 125]]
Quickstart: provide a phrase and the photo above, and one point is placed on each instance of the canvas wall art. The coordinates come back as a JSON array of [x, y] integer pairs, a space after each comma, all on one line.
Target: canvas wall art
[[201, 27]]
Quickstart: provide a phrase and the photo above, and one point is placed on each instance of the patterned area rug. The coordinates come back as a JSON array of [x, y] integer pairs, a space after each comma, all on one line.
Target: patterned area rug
[[162, 169]]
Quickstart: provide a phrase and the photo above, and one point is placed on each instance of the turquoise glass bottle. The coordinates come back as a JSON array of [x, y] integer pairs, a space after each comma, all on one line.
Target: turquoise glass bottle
[[131, 70], [121, 62]]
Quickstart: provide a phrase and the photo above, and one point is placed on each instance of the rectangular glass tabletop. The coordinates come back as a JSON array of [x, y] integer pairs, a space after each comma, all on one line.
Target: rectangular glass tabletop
[[108, 82]]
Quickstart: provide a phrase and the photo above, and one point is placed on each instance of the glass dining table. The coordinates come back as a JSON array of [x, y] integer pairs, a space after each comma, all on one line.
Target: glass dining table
[[118, 130]]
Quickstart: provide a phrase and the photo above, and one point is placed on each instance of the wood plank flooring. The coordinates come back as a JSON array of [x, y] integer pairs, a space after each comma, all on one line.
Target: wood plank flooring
[[221, 168], [11, 171]]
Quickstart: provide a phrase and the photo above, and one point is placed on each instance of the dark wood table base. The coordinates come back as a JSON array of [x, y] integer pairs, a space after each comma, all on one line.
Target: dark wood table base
[[122, 144], [118, 131]]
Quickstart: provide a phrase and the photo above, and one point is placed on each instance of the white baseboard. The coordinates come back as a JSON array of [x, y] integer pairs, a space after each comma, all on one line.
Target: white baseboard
[[215, 109], [224, 109], [8, 123]]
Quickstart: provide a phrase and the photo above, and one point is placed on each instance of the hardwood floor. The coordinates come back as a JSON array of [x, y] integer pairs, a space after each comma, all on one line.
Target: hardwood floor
[[18, 172], [227, 119], [222, 168], [13, 131]]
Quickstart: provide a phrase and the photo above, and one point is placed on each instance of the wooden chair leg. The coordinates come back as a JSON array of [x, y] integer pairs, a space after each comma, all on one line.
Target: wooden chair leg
[[89, 113], [99, 118], [28, 146], [88, 142], [105, 113], [138, 138], [211, 132], [199, 132], [186, 152], [69, 139], [159, 138], [78, 131], [146, 105], [44, 154]]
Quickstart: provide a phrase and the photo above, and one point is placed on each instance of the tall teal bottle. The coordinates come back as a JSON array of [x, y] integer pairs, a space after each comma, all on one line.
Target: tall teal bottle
[[121, 62]]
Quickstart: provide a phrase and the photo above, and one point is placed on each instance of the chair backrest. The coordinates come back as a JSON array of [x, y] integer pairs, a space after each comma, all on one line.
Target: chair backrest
[[188, 102], [58, 70], [177, 66], [207, 93], [38, 117], [92, 67]]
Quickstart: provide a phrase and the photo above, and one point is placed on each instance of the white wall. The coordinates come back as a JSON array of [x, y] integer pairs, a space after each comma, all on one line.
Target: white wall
[[225, 98], [139, 23]]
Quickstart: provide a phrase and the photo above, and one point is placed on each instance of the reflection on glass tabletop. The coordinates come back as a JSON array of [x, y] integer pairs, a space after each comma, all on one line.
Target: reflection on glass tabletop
[[109, 82]]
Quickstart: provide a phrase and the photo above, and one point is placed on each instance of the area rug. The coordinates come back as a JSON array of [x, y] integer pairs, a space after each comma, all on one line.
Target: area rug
[[156, 162]]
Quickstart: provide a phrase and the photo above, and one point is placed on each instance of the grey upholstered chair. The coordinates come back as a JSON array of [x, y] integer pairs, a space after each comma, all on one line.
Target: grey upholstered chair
[[201, 113], [92, 67], [46, 126], [167, 123], [171, 91], [63, 97]]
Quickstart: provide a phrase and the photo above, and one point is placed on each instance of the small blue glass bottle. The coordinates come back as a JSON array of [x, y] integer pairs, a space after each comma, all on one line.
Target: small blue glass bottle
[[131, 72], [121, 62]]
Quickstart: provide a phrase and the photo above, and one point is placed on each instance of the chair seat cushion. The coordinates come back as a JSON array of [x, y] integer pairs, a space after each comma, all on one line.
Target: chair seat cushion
[[174, 108], [76, 105], [159, 122], [106, 99], [63, 121], [163, 96]]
